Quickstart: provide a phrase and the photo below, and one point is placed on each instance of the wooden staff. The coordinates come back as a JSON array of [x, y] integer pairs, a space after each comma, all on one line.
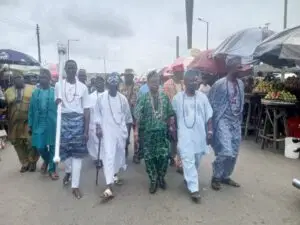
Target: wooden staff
[[99, 163]]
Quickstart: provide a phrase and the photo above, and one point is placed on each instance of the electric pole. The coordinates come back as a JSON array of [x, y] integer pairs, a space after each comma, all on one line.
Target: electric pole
[[177, 46], [38, 42], [285, 14], [104, 65], [189, 10]]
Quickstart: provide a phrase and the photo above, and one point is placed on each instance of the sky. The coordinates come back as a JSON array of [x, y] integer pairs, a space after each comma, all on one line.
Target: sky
[[138, 34]]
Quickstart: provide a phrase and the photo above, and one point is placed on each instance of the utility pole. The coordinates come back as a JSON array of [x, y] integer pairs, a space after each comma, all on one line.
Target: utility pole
[[38, 42], [189, 12], [177, 47], [104, 64], [68, 47], [207, 30], [285, 14]]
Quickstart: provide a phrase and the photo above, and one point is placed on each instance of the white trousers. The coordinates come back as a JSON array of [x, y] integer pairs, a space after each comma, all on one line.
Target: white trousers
[[73, 166]]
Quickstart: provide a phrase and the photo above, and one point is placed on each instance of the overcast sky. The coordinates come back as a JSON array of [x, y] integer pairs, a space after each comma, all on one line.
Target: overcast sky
[[138, 34]]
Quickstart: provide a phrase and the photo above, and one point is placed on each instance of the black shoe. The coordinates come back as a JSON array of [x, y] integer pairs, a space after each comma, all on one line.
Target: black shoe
[[195, 196], [24, 169], [32, 167], [66, 179], [153, 188], [230, 182], [216, 185], [162, 183], [172, 162], [136, 159]]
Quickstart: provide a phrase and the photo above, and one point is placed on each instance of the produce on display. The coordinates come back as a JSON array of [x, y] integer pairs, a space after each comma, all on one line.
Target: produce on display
[[283, 96], [292, 83], [263, 87], [268, 86]]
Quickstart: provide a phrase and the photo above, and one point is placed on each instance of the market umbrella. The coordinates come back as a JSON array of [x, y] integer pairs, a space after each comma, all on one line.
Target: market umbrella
[[205, 62], [243, 43], [8, 56], [166, 71], [281, 49], [181, 63], [53, 68]]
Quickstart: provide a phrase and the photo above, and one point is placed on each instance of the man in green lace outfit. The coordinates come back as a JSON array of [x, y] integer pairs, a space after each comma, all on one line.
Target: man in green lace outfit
[[153, 112]]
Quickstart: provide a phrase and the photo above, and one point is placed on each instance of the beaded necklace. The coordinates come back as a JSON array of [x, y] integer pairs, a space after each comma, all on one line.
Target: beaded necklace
[[70, 101], [157, 114], [111, 111], [183, 111]]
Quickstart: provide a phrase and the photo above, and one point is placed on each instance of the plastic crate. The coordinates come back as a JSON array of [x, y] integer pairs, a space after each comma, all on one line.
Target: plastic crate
[[294, 127]]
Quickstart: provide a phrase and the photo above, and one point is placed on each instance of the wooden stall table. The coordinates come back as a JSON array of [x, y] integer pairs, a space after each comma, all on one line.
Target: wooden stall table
[[253, 100], [275, 111]]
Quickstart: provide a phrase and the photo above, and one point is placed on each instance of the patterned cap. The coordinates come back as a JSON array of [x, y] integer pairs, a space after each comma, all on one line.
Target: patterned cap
[[232, 61], [113, 78]]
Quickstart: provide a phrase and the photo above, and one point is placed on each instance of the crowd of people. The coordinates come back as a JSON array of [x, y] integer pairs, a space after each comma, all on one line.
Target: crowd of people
[[173, 124]]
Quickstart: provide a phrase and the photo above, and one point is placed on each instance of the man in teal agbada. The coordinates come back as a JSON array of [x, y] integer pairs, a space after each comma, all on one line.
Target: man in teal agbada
[[42, 122]]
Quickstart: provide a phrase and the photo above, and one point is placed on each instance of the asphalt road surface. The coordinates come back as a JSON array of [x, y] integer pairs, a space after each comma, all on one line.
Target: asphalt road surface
[[266, 196]]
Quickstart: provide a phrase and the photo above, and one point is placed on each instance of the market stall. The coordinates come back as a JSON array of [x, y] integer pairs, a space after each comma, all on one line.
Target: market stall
[[281, 50]]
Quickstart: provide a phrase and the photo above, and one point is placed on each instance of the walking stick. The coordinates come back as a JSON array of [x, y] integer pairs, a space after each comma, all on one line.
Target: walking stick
[[61, 53], [99, 163]]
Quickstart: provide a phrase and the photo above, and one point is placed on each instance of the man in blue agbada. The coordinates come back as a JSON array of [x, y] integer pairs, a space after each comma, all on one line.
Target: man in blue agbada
[[227, 100], [193, 113], [42, 122]]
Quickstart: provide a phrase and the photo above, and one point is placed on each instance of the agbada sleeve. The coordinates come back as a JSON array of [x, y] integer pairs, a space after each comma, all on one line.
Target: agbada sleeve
[[207, 108], [98, 111], [139, 109], [128, 115]]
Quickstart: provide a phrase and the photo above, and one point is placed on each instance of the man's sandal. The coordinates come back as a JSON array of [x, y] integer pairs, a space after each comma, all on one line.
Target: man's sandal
[[54, 176], [107, 195]]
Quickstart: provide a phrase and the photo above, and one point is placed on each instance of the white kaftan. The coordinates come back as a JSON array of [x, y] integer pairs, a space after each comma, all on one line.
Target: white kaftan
[[192, 115], [204, 89], [113, 114], [93, 142]]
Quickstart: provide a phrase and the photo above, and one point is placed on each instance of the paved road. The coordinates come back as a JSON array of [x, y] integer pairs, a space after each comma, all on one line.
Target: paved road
[[266, 196]]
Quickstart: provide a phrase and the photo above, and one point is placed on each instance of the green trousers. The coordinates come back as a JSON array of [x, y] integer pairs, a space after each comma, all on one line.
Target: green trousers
[[25, 152], [47, 155], [156, 155]]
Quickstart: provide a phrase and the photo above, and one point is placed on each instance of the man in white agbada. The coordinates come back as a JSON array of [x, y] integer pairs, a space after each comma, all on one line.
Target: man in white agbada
[[93, 142], [193, 113], [113, 117]]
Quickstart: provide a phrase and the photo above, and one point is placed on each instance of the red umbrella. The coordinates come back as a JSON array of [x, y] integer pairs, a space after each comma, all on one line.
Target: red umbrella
[[53, 70], [181, 63], [166, 71], [205, 62]]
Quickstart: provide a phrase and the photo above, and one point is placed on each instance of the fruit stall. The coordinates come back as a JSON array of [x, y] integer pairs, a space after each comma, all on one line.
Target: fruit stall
[[268, 105]]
